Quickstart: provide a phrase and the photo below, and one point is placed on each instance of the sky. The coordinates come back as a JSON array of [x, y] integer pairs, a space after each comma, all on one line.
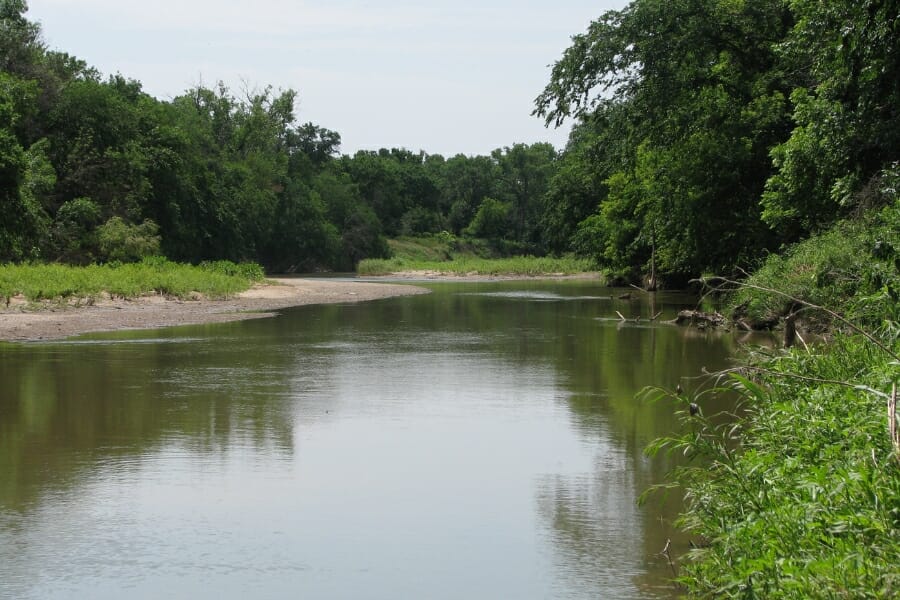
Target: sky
[[446, 76]]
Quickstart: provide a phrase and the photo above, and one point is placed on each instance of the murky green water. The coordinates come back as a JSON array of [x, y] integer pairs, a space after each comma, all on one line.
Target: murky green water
[[479, 442]]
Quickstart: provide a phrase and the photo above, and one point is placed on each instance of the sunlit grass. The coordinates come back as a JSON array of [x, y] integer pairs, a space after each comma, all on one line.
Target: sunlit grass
[[852, 268], [522, 265], [153, 276], [807, 503]]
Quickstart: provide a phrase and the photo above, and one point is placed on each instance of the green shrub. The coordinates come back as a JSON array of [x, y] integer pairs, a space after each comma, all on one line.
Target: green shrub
[[491, 220], [855, 265], [250, 271], [120, 241], [800, 497]]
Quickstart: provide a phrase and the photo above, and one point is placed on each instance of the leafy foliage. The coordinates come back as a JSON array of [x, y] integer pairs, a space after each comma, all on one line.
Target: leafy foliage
[[220, 175], [800, 496], [710, 132], [855, 265], [846, 123]]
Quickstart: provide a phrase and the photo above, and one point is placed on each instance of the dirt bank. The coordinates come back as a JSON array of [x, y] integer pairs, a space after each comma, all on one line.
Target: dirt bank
[[21, 321]]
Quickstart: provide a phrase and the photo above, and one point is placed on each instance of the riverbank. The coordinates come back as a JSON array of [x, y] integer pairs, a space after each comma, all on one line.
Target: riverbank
[[425, 275], [467, 266], [29, 321]]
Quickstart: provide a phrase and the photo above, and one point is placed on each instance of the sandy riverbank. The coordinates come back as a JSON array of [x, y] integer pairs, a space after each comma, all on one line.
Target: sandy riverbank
[[21, 321]]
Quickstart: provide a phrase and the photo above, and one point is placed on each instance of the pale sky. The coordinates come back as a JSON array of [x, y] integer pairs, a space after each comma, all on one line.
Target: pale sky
[[444, 76]]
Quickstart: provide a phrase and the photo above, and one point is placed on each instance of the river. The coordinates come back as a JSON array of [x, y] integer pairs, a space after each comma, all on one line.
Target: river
[[483, 441]]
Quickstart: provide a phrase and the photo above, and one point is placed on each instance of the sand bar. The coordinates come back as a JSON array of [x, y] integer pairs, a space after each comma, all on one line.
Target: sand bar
[[22, 321]]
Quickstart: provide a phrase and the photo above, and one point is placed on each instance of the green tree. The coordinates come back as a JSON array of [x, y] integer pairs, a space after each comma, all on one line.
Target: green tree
[[845, 109], [360, 230], [12, 165], [465, 183], [120, 241], [20, 40], [696, 91], [524, 174], [74, 233], [25, 176], [492, 220]]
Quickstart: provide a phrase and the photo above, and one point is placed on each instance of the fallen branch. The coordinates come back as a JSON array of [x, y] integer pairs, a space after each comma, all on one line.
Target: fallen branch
[[892, 422], [696, 317], [806, 306], [665, 552]]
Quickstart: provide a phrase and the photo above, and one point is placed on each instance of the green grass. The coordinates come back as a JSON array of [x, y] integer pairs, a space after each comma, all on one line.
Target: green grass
[[522, 265], [447, 254], [152, 276], [432, 248], [854, 267]]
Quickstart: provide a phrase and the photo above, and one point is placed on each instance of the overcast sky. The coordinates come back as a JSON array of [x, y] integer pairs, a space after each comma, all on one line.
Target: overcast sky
[[444, 76]]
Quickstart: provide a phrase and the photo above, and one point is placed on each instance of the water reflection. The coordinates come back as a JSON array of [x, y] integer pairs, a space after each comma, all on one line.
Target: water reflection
[[481, 441]]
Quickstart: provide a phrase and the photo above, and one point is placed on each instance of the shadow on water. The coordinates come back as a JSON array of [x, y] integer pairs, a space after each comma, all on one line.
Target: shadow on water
[[488, 428]]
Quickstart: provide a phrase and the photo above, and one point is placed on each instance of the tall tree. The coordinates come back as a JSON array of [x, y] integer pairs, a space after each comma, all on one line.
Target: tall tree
[[846, 107], [525, 171], [697, 87]]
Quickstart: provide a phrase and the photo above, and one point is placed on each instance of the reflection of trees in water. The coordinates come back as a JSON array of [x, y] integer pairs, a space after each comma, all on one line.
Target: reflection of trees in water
[[595, 515], [68, 409], [596, 529]]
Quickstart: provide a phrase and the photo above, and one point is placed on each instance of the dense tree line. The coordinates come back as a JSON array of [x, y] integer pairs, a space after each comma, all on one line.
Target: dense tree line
[[98, 170], [708, 132]]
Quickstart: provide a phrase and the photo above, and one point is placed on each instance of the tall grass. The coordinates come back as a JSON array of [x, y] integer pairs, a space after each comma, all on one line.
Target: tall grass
[[152, 276], [855, 266], [522, 265]]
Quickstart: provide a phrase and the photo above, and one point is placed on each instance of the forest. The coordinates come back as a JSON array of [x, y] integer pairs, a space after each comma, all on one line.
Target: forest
[[706, 136], [96, 170]]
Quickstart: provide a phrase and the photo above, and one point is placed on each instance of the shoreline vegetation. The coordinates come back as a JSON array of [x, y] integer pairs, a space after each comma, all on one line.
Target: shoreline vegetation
[[52, 301], [446, 256], [520, 266], [44, 302], [797, 495], [156, 276]]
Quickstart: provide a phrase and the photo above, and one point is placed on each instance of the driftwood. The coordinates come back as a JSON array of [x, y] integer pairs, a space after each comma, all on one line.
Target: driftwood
[[637, 319], [700, 319]]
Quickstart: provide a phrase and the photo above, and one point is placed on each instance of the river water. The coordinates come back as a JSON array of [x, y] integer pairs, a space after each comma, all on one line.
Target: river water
[[483, 441]]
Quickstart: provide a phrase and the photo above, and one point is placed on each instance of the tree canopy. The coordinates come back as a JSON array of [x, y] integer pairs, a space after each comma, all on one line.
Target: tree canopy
[[709, 132], [706, 134], [94, 169]]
